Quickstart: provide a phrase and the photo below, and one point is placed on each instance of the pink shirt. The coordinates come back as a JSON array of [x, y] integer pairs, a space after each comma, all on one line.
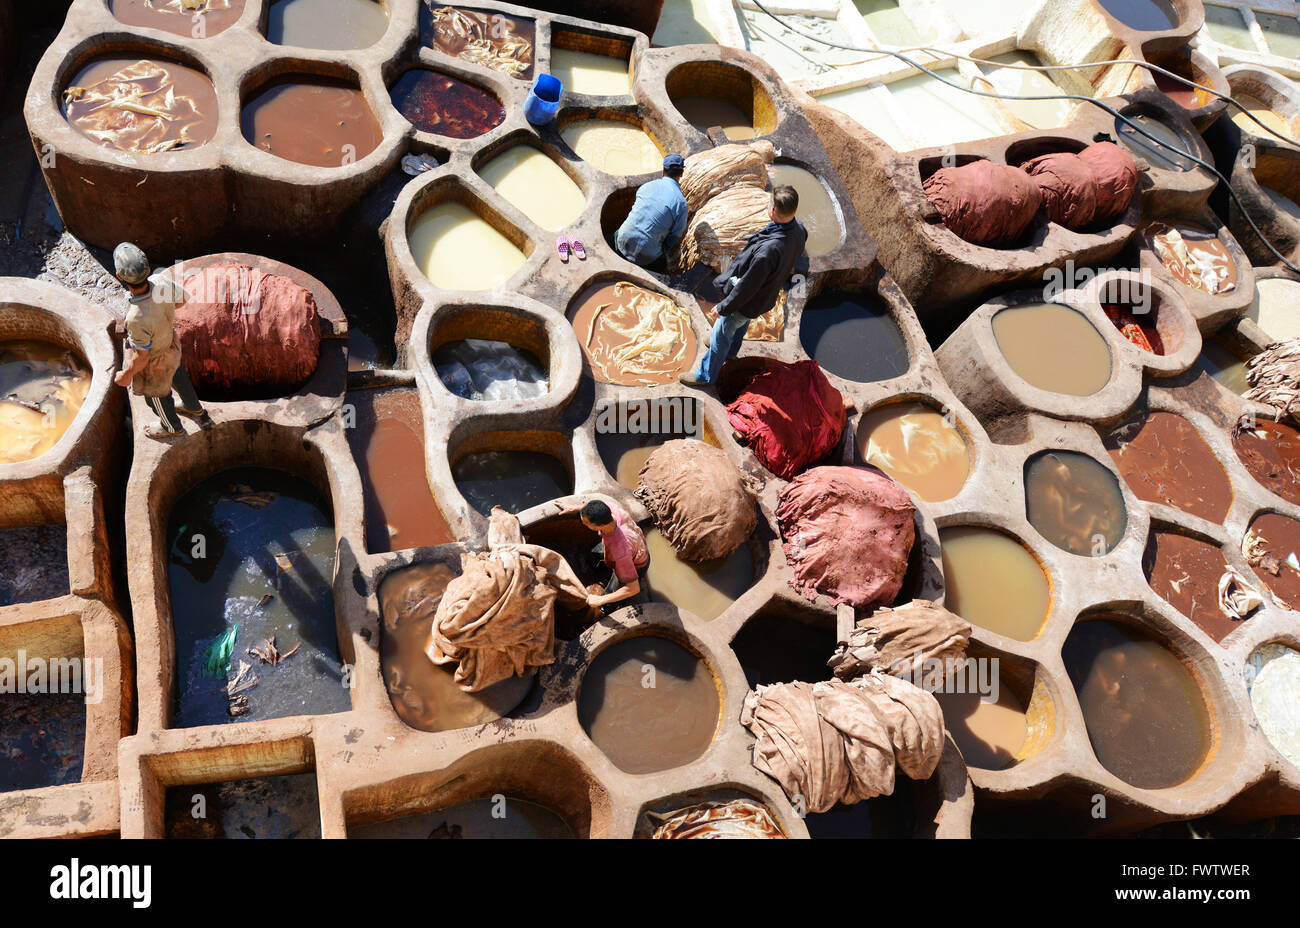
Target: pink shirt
[[624, 548]]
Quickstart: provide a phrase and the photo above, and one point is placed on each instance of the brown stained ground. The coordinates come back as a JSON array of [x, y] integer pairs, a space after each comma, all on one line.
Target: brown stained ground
[[1164, 459]]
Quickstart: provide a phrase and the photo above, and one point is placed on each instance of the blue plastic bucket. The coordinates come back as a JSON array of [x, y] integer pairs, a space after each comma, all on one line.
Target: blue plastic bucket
[[543, 99]]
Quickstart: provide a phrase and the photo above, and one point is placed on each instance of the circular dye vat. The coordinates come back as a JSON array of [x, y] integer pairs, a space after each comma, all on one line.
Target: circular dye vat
[[1276, 308], [649, 704], [991, 580], [632, 336], [457, 249], [1053, 348], [1194, 256], [707, 589], [854, 339], [817, 210], [42, 388], [482, 37], [916, 446], [1163, 459], [590, 73], [327, 24], [445, 105], [1074, 502], [200, 20], [530, 180], [613, 147], [1264, 113], [706, 112], [1143, 15], [513, 480], [323, 125], [1184, 572], [251, 561], [1273, 676], [142, 105], [1271, 452], [990, 734], [479, 818], [1156, 155], [1145, 714], [1272, 548], [780, 645]]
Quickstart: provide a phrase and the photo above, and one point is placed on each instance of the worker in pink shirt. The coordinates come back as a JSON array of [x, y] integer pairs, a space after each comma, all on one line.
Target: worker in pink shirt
[[622, 548]]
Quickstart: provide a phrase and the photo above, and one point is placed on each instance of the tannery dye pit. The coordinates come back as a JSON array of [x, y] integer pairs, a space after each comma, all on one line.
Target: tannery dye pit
[[1074, 502], [446, 105], [42, 388], [320, 124], [142, 105]]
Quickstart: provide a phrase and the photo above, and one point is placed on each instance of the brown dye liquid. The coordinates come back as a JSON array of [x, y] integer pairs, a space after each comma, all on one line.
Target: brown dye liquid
[[991, 580], [1187, 97], [916, 446], [1207, 265], [214, 16], [1271, 452], [1185, 572], [445, 105], [513, 480], [706, 112], [1281, 539], [1074, 502], [1163, 459], [706, 589], [387, 442], [990, 734], [424, 694], [327, 24], [633, 336], [42, 388], [1143, 15], [1053, 347], [478, 818], [816, 209], [1145, 714], [624, 454], [487, 38], [323, 125], [648, 704], [142, 105], [267, 807]]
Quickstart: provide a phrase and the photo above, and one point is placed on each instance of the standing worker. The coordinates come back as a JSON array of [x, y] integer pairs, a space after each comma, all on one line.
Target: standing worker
[[151, 361], [657, 221], [751, 285]]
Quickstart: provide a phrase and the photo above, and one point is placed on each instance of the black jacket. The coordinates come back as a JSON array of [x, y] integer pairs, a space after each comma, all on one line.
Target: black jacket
[[762, 269]]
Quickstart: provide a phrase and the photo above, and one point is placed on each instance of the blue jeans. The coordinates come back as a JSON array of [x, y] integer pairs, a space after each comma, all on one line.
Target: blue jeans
[[728, 333]]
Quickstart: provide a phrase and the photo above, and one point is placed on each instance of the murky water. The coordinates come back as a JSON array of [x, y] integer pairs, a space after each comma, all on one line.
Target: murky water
[[42, 388], [707, 589], [513, 480], [320, 124], [1053, 347], [42, 738], [267, 807], [33, 563], [1185, 571], [991, 580], [176, 17], [328, 24], [1074, 502], [855, 339], [505, 817]]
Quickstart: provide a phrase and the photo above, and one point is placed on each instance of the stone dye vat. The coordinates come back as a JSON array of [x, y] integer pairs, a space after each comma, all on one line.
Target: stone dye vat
[[990, 733], [479, 818], [250, 566], [1163, 459], [387, 442], [590, 73], [1276, 307], [459, 250], [1184, 571], [445, 105], [613, 146], [1074, 502], [178, 16], [513, 480], [1166, 156], [917, 446], [328, 24], [993, 581], [1142, 15], [267, 807], [42, 739], [1272, 548], [645, 728], [527, 178], [853, 339], [631, 335], [142, 105], [321, 124], [1273, 675], [485, 369], [42, 388], [817, 208], [625, 453], [1053, 347], [783, 643], [711, 94], [33, 563], [1271, 452], [493, 40], [1146, 716], [1264, 113], [707, 589], [1194, 256]]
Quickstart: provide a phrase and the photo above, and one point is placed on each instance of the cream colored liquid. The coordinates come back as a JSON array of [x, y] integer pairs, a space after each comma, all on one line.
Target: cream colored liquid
[[584, 72], [42, 388], [1037, 114], [1260, 110], [613, 147], [457, 250], [941, 114], [990, 734], [1276, 308], [816, 207], [708, 589], [685, 22], [916, 446], [537, 185], [867, 106], [706, 112], [1275, 697], [991, 580], [630, 464], [1053, 347]]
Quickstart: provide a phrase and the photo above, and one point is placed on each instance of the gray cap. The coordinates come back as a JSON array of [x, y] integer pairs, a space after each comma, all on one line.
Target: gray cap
[[130, 263]]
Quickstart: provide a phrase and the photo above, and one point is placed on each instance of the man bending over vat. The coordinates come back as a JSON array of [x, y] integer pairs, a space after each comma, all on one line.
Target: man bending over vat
[[657, 220], [151, 361], [622, 548], [751, 285]]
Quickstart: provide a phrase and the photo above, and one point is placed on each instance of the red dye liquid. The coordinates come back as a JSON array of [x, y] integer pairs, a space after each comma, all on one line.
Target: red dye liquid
[[443, 105], [1144, 336]]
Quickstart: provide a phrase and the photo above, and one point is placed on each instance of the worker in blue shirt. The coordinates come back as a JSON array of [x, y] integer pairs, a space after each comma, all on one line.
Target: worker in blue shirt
[[657, 221]]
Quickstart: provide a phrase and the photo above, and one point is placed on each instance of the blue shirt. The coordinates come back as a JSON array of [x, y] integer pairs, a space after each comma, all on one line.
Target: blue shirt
[[656, 223]]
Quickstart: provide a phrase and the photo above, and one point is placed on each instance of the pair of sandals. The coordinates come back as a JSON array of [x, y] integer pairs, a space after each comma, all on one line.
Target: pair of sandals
[[564, 245]]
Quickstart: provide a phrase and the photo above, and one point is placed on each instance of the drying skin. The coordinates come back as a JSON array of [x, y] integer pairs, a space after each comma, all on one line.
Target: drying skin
[[42, 388], [142, 106], [698, 498], [1271, 452], [1276, 307], [739, 818], [1195, 257], [1163, 459], [1074, 502], [1273, 375], [916, 446], [446, 105], [918, 641], [710, 172], [488, 39], [634, 336]]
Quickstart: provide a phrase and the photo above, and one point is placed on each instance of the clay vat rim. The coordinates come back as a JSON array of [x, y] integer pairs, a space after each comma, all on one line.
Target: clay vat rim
[[1049, 401], [1165, 298], [1145, 107], [731, 62], [1205, 71]]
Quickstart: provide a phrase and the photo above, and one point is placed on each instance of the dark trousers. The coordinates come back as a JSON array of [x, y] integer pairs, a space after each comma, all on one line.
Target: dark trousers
[[165, 407]]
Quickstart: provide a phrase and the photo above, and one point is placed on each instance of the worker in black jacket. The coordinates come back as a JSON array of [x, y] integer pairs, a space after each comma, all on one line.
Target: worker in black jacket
[[751, 285]]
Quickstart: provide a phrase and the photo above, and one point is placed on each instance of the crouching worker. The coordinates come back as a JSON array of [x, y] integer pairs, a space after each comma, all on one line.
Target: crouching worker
[[657, 220], [622, 548], [151, 356]]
